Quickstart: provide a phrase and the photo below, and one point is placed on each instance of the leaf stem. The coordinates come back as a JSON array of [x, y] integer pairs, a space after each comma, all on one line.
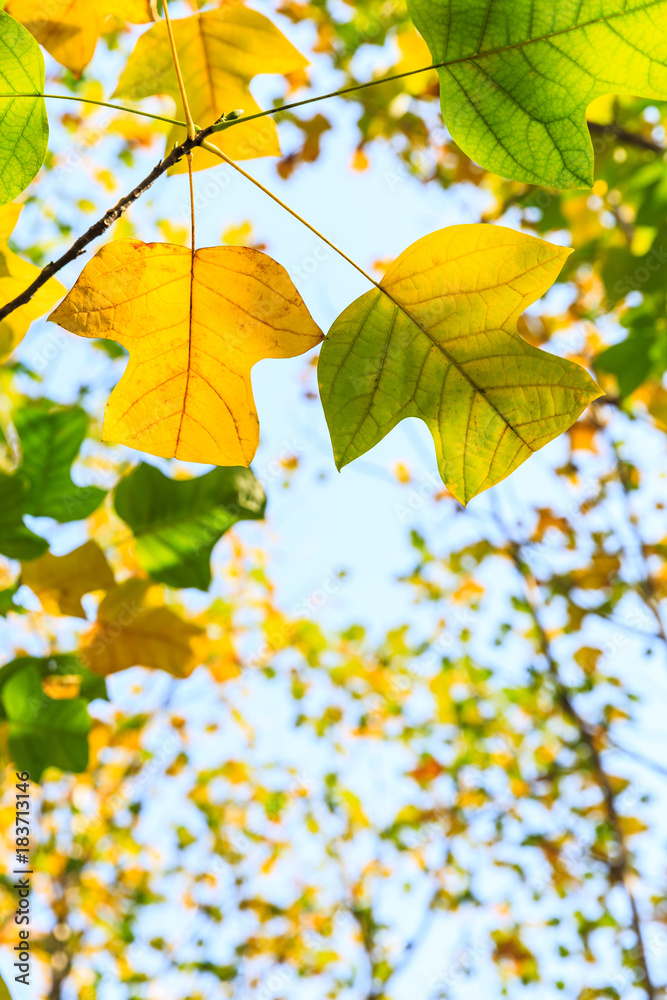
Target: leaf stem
[[179, 73], [103, 104]]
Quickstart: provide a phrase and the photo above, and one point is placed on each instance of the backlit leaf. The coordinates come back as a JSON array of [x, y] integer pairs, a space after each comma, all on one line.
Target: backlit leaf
[[220, 52], [69, 29], [194, 327], [24, 128], [129, 632], [519, 76], [61, 581], [50, 440], [176, 523], [442, 345]]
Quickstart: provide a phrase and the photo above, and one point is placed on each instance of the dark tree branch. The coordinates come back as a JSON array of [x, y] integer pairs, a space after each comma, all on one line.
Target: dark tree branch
[[100, 227], [625, 137]]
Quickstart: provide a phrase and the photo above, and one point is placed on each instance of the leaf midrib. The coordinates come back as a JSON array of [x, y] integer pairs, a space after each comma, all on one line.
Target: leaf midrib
[[456, 364]]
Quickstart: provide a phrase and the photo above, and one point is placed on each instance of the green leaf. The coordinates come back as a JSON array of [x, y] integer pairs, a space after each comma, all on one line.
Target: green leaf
[[44, 732], [177, 522], [519, 76], [59, 665], [24, 127], [7, 601], [4, 992], [17, 541], [630, 361], [50, 438], [439, 342]]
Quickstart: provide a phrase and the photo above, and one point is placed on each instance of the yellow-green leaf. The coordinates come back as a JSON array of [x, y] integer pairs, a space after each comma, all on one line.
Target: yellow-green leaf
[[518, 76], [24, 127], [440, 342], [220, 52], [194, 327]]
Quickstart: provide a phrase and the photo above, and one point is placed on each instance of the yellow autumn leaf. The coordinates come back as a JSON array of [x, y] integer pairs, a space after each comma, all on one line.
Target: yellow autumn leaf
[[15, 276], [69, 29], [194, 326], [438, 340], [220, 52], [657, 405], [134, 630], [61, 581], [414, 55], [445, 709]]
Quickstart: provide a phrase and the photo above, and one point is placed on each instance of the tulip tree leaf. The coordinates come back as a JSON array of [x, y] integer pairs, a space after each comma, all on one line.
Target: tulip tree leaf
[[24, 127], [194, 324], [518, 76], [440, 342], [220, 53], [176, 523], [50, 440], [44, 732], [17, 541]]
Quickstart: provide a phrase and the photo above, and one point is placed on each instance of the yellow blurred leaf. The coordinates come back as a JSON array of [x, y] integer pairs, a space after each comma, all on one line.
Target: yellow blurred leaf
[[194, 325], [354, 809], [440, 686], [61, 581], [587, 658], [69, 29], [15, 276], [62, 687], [131, 633], [630, 826], [220, 53]]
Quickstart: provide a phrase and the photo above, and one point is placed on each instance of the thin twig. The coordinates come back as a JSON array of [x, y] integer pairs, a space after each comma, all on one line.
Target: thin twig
[[623, 135]]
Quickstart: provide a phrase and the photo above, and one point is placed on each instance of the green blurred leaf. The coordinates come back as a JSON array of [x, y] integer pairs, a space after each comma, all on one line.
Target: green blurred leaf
[[58, 665], [7, 601], [629, 361], [17, 541], [44, 732], [24, 127], [519, 76], [50, 438], [177, 522]]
